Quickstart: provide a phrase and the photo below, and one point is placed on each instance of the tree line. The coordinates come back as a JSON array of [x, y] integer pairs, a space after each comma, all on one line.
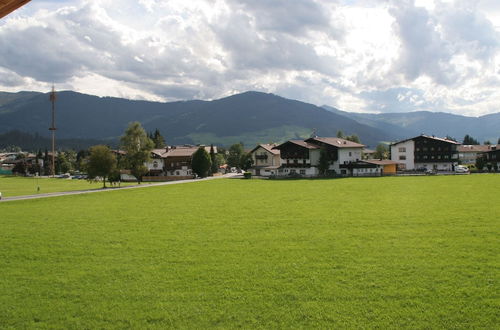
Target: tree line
[[103, 163]]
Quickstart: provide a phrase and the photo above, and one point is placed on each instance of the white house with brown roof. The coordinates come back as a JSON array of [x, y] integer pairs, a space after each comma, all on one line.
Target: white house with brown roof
[[266, 160], [173, 161], [302, 157], [156, 164], [468, 153]]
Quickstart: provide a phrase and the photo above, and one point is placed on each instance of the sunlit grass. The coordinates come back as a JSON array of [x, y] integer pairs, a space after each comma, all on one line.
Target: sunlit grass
[[20, 186], [414, 252]]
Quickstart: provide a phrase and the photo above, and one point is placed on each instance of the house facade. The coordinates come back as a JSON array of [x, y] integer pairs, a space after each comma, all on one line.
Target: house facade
[[493, 156], [467, 154], [426, 153], [173, 162], [266, 160], [302, 156]]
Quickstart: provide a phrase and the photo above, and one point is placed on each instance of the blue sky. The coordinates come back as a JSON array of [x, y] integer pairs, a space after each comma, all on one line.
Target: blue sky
[[362, 56]]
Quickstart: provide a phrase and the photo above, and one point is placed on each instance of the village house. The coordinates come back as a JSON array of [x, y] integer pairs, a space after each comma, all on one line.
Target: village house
[[265, 159], [301, 157], [425, 153], [467, 154], [493, 156], [172, 162], [386, 166]]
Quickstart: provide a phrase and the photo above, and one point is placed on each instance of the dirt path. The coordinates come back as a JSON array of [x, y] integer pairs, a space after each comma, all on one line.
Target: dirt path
[[78, 192]]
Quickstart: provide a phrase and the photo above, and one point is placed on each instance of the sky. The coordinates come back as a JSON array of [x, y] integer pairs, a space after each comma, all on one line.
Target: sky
[[356, 55]]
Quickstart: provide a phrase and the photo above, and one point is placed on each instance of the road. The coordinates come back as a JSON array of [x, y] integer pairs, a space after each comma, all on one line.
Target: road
[[78, 192]]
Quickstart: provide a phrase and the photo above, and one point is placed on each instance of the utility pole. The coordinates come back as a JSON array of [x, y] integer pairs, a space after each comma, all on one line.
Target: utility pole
[[53, 129]]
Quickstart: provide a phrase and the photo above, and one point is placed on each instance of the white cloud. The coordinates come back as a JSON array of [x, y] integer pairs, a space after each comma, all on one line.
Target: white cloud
[[355, 55]]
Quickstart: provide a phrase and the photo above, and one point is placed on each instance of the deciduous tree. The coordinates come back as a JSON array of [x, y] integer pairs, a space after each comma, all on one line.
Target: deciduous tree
[[246, 161], [101, 163], [235, 153], [381, 152], [137, 146]]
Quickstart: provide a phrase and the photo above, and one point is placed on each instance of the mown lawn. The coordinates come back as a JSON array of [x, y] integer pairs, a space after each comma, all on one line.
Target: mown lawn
[[19, 186], [412, 252]]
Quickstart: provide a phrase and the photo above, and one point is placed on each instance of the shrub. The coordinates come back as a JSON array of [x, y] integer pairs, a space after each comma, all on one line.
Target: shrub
[[247, 175]]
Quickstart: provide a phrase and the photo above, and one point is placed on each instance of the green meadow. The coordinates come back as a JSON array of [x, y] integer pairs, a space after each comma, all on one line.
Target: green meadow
[[395, 252], [20, 186]]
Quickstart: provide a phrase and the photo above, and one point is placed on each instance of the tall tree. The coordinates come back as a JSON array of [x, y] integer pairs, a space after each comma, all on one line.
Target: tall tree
[[235, 153], [158, 139], [214, 160], [487, 142], [469, 140], [324, 160], [498, 142], [101, 163], [340, 134], [63, 165], [246, 161], [381, 152], [201, 162], [353, 138], [137, 146]]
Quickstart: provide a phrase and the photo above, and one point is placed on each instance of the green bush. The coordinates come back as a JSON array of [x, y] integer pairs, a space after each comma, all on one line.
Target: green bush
[[247, 175]]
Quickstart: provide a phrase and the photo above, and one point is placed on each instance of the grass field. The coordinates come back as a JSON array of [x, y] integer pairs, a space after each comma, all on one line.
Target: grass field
[[412, 252], [19, 186]]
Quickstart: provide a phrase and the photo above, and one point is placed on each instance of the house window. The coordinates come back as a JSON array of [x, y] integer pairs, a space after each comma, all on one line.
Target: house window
[[402, 157], [302, 172], [402, 149], [350, 154]]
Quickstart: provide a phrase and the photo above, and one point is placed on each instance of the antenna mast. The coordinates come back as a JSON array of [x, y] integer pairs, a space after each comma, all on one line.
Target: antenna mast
[[53, 128]]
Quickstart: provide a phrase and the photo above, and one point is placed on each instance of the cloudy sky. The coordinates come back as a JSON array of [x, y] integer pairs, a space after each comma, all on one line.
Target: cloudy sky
[[356, 55]]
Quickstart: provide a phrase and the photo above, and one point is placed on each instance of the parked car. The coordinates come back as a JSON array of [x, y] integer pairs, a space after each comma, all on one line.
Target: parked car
[[461, 169]]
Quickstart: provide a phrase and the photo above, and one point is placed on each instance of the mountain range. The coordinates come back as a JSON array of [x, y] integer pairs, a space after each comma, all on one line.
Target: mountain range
[[431, 123], [250, 117]]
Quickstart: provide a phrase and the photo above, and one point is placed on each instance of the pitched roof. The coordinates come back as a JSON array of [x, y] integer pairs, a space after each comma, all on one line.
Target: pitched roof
[[182, 151], [301, 143], [267, 147], [474, 148], [159, 152], [494, 149], [337, 142], [381, 161], [428, 137]]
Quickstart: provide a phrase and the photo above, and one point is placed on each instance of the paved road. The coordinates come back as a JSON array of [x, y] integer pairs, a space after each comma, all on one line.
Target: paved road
[[147, 185]]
